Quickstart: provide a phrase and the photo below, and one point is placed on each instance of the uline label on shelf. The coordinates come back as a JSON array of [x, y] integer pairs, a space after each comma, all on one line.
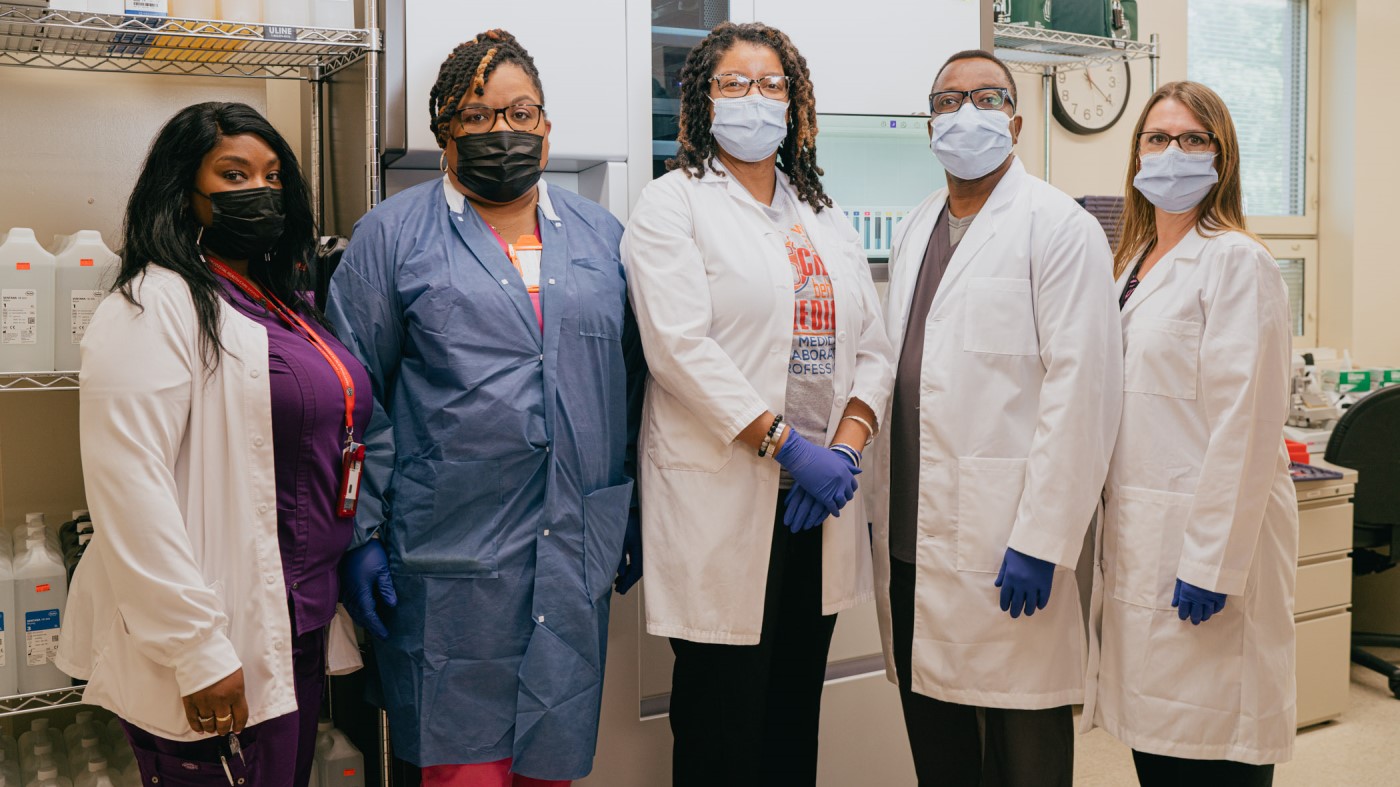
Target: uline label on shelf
[[41, 630], [279, 33]]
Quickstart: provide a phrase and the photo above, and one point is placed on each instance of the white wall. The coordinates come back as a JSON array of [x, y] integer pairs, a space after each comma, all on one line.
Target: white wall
[[1359, 278], [580, 49], [74, 142], [876, 57]]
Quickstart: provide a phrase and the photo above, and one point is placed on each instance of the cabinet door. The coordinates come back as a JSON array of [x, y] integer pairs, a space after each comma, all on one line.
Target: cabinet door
[[876, 57], [579, 47]]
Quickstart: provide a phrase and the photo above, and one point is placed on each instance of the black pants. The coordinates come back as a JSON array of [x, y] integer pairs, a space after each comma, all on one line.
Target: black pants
[[1155, 770], [749, 714], [964, 746]]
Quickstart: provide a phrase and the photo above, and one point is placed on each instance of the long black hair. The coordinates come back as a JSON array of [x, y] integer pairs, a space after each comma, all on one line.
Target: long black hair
[[161, 227], [467, 69], [797, 156]]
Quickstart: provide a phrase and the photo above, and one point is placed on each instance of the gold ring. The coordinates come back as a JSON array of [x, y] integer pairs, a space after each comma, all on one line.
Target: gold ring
[[203, 720], [224, 718]]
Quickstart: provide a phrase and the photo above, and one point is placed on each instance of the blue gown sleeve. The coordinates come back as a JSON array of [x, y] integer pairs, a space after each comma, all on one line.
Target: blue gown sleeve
[[364, 308]]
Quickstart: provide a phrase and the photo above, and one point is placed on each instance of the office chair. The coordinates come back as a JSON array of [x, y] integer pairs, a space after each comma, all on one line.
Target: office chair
[[1367, 439]]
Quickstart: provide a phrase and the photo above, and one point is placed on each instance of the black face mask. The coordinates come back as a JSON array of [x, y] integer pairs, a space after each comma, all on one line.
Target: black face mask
[[247, 223], [499, 166]]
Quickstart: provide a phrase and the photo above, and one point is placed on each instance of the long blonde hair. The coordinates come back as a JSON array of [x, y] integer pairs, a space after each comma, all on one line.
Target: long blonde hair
[[1222, 210]]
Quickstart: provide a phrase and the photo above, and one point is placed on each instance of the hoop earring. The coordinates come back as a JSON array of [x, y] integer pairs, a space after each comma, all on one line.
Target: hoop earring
[[442, 161]]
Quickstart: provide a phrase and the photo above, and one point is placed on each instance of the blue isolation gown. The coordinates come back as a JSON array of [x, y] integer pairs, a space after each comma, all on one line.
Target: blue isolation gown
[[497, 472]]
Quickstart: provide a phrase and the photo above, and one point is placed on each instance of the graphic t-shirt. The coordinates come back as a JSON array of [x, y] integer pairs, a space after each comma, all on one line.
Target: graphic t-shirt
[[812, 365]]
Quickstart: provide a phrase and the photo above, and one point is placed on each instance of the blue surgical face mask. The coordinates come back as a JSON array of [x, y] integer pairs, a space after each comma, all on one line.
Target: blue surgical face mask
[[1174, 180], [749, 128], [971, 142]]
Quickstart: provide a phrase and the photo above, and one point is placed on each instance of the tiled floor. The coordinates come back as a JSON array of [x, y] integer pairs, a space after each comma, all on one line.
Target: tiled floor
[[1361, 748]]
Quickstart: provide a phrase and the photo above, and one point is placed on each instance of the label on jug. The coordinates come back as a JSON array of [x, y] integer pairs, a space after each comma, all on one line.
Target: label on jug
[[41, 631], [84, 304], [19, 317]]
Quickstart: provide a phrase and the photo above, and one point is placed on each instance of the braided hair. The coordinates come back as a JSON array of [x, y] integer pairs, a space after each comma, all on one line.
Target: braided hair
[[467, 69], [797, 156]]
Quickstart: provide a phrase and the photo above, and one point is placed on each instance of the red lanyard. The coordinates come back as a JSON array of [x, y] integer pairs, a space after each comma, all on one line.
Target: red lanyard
[[297, 324]]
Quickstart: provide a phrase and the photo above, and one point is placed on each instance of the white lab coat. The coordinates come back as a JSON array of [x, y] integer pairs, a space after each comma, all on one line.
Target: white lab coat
[[1199, 489], [712, 288], [182, 583], [1018, 410]]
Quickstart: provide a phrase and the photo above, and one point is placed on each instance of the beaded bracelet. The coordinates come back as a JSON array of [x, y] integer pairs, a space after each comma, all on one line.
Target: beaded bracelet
[[772, 433]]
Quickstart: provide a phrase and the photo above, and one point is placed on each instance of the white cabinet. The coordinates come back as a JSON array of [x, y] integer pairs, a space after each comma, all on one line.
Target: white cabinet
[[876, 57], [579, 47]]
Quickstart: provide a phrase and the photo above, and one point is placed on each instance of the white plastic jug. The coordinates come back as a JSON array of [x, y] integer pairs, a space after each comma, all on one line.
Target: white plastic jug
[[342, 765], [9, 764], [26, 303], [41, 588], [96, 774], [9, 619], [84, 272], [242, 10], [39, 731], [87, 750], [84, 726], [35, 523], [41, 760], [50, 777], [294, 13], [333, 13]]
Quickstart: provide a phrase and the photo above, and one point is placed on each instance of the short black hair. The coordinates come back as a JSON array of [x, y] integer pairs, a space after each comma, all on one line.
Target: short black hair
[[981, 54]]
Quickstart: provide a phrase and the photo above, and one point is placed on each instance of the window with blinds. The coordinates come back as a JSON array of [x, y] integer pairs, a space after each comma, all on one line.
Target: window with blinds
[[1254, 54], [1292, 270]]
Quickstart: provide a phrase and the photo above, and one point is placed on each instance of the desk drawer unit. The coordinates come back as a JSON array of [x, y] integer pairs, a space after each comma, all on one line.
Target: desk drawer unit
[[1324, 526], [1323, 584], [1324, 667]]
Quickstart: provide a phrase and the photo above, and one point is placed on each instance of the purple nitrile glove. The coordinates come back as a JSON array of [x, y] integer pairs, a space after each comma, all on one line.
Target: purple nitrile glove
[[826, 475], [364, 574], [1025, 583], [1196, 603]]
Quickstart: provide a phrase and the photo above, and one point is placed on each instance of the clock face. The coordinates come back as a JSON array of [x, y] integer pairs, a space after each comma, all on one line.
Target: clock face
[[1090, 100]]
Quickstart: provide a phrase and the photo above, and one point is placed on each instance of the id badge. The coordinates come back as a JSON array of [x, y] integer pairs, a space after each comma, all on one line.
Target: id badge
[[352, 462]]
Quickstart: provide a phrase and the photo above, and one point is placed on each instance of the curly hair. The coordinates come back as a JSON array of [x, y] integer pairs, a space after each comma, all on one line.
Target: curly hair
[[797, 156], [467, 69]]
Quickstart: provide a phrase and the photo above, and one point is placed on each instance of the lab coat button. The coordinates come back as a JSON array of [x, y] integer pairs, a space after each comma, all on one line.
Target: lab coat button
[[269, 579], [258, 441], [262, 509], [841, 336], [254, 373]]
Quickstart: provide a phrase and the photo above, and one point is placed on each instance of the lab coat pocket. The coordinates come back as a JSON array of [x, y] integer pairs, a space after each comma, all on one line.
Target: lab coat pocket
[[1162, 357], [447, 517], [600, 291], [604, 526], [989, 492], [1142, 544], [675, 439], [999, 317]]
